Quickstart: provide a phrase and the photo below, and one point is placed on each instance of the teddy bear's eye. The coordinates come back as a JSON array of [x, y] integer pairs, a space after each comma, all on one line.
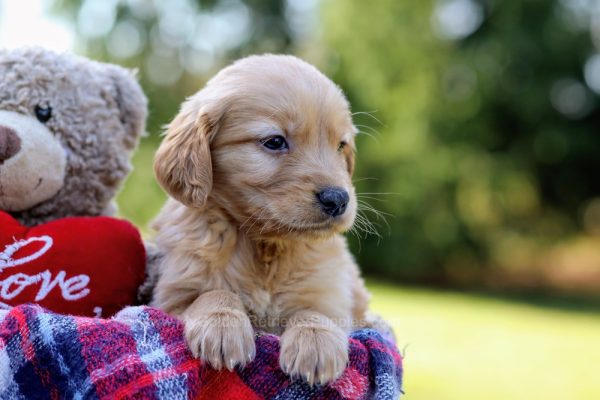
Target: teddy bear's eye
[[43, 114]]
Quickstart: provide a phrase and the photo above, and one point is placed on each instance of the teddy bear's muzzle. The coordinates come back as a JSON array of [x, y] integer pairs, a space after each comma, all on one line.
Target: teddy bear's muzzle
[[32, 162], [10, 144]]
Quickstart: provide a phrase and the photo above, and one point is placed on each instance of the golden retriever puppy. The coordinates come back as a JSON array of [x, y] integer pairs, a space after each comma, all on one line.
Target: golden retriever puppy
[[258, 167]]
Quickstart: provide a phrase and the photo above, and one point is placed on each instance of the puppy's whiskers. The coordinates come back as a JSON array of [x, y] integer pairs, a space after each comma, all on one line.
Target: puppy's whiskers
[[363, 179], [372, 198], [379, 215], [363, 226], [368, 131], [369, 114]]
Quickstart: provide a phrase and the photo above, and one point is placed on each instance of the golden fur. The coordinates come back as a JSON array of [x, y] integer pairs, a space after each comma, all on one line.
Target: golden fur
[[245, 242]]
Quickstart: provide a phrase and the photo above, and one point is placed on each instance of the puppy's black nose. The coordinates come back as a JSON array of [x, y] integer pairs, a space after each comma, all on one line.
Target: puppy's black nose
[[10, 144], [333, 200]]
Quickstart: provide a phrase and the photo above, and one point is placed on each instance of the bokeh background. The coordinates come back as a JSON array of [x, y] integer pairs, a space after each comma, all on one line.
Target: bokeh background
[[479, 147]]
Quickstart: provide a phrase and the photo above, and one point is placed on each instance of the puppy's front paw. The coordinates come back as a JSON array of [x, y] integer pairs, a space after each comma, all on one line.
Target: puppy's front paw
[[223, 339], [314, 353]]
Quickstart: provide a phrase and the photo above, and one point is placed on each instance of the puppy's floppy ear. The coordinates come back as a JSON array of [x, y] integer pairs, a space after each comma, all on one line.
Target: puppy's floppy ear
[[182, 164]]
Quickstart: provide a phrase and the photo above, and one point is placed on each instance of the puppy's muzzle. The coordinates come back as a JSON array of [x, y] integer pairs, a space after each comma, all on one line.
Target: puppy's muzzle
[[333, 201], [10, 144]]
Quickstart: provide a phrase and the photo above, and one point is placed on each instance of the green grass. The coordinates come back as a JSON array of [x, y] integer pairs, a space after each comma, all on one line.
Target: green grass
[[463, 346]]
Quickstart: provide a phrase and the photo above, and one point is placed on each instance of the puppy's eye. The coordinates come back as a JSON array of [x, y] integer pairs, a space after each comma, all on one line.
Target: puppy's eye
[[43, 114], [277, 143], [342, 145]]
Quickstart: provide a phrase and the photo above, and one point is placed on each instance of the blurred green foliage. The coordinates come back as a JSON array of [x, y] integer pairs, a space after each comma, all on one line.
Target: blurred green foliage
[[479, 118], [489, 142], [176, 45]]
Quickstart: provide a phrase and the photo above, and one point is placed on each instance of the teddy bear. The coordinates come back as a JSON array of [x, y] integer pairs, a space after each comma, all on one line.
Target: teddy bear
[[68, 127]]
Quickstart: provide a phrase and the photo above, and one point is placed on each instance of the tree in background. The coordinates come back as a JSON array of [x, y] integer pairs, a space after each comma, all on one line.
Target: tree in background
[[490, 138]]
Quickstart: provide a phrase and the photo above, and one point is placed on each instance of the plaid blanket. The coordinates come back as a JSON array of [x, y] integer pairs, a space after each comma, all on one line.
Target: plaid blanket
[[141, 354]]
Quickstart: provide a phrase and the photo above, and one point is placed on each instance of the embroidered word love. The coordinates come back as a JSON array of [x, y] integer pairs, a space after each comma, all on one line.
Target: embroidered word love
[[73, 288]]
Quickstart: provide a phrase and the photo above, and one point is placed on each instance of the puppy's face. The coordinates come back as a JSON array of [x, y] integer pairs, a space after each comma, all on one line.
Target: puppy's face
[[270, 140]]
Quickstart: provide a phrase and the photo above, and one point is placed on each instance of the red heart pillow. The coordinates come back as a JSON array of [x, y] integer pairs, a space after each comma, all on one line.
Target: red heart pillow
[[85, 266]]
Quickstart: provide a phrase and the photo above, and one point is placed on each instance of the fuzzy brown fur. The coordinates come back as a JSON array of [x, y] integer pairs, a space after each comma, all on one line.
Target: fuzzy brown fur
[[80, 156], [245, 242]]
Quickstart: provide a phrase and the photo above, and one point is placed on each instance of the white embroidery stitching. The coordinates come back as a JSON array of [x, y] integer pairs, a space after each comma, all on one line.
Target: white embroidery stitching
[[6, 260]]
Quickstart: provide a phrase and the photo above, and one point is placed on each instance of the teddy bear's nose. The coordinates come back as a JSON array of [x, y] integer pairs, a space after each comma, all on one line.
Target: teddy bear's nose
[[10, 143]]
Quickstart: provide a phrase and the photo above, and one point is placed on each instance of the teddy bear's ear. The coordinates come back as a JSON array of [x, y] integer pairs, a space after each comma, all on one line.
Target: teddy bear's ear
[[132, 103]]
